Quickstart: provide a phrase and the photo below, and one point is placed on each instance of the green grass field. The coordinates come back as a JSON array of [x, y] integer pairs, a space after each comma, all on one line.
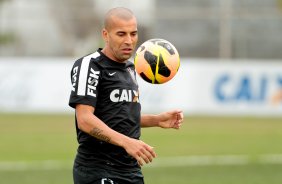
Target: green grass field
[[39, 149]]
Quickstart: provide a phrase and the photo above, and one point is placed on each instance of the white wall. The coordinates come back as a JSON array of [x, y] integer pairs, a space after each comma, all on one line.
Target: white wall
[[208, 87], [221, 87], [34, 84]]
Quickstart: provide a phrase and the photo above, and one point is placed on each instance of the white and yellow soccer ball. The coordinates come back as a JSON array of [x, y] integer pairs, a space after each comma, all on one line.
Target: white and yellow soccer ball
[[156, 61]]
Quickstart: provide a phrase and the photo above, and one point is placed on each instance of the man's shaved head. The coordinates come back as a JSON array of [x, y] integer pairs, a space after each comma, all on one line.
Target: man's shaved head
[[120, 12], [120, 34]]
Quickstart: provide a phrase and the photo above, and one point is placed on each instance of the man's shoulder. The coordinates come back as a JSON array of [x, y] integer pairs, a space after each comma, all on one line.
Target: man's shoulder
[[87, 58], [92, 59]]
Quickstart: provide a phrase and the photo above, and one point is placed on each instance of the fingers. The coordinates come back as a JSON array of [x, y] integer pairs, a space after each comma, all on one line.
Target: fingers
[[179, 119], [145, 154], [180, 116], [176, 119], [148, 154]]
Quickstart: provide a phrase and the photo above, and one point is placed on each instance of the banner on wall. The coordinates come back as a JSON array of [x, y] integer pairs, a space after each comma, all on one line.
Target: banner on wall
[[34, 84], [221, 88], [206, 87]]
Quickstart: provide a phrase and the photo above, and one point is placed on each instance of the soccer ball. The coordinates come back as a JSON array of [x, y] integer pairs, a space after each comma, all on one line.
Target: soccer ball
[[156, 61]]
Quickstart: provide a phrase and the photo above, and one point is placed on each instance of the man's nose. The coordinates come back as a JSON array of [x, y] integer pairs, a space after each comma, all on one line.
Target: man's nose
[[128, 39]]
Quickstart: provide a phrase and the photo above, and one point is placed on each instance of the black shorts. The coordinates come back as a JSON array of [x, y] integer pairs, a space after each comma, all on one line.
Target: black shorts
[[88, 175]]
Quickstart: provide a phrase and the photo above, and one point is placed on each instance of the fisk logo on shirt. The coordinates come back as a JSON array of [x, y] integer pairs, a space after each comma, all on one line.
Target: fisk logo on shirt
[[74, 77], [92, 82], [127, 95]]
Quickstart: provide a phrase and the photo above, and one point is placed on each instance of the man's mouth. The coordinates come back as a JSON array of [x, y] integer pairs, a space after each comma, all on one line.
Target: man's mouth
[[127, 50]]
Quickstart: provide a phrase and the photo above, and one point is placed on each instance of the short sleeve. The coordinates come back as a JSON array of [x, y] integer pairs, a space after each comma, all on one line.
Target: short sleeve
[[85, 77]]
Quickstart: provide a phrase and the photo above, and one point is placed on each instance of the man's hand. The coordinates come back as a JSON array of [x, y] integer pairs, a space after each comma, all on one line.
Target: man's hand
[[141, 151], [171, 119]]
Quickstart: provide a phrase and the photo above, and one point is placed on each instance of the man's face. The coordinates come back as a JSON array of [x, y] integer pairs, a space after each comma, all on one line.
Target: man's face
[[121, 39]]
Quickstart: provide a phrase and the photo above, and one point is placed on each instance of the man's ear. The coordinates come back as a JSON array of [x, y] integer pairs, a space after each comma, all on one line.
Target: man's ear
[[105, 34]]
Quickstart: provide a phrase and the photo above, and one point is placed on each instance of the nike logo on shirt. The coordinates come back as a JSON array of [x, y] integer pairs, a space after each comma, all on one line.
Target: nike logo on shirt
[[111, 74]]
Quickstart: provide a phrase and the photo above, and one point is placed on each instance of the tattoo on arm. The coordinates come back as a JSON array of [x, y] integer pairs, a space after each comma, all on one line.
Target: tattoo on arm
[[98, 133]]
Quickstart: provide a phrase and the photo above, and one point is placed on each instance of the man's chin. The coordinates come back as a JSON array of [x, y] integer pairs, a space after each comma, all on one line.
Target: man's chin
[[125, 57]]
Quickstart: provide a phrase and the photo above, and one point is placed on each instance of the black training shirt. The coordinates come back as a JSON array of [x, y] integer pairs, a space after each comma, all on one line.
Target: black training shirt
[[112, 89]]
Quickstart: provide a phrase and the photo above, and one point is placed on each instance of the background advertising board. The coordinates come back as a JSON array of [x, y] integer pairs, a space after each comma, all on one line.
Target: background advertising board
[[207, 87]]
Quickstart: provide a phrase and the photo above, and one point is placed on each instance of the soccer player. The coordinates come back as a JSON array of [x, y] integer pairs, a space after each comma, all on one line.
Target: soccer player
[[107, 109]]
